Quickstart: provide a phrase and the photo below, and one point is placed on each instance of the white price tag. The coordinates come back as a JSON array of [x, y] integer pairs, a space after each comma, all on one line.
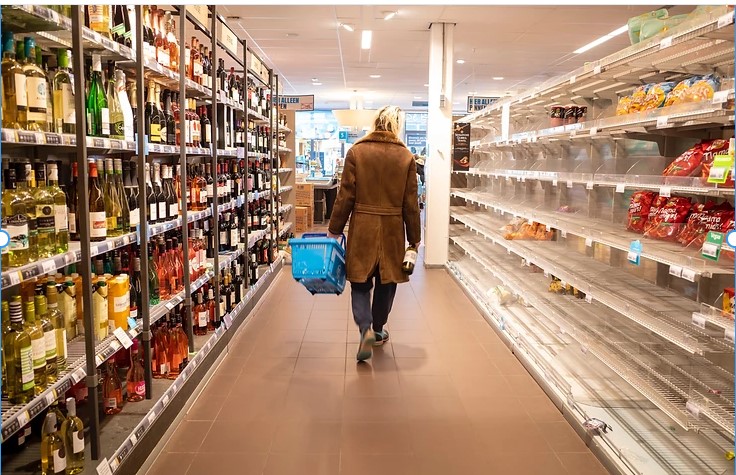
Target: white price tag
[[699, 320], [133, 439], [665, 191], [569, 184], [123, 338], [165, 399], [693, 409], [23, 418], [151, 418], [554, 182], [725, 20], [50, 397], [688, 274], [48, 266], [676, 271], [175, 387], [665, 43], [620, 188], [662, 121], [589, 185], [588, 298], [563, 233], [729, 335], [632, 256], [597, 69], [573, 134], [573, 79], [593, 131], [15, 277], [710, 249], [78, 375], [115, 346], [589, 242], [548, 227], [720, 97], [104, 468]]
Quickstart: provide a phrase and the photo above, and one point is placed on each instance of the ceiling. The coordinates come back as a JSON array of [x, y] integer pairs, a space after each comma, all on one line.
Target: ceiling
[[523, 44]]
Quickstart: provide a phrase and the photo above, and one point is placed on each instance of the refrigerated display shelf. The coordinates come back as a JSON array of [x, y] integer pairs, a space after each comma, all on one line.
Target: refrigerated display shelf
[[158, 407], [672, 383], [683, 185], [606, 233], [644, 439], [286, 170], [661, 311], [680, 49], [286, 228]]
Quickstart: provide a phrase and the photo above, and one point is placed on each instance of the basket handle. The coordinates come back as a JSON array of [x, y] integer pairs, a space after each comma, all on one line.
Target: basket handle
[[313, 235]]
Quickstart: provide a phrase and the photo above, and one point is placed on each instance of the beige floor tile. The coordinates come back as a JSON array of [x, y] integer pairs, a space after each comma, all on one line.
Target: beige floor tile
[[413, 385], [581, 463], [309, 366], [326, 336], [325, 350], [406, 350], [206, 409], [458, 461], [302, 464], [480, 385], [321, 324], [525, 463], [307, 437], [308, 408], [245, 408], [523, 385], [188, 436], [261, 365], [435, 409], [434, 365], [236, 436], [355, 463], [372, 385], [514, 439], [214, 463], [561, 437], [381, 363], [265, 385], [170, 463], [412, 336], [381, 437], [219, 385], [374, 409], [444, 436], [541, 409]]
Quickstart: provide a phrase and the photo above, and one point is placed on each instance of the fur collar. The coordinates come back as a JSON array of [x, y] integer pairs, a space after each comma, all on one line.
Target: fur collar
[[380, 136]]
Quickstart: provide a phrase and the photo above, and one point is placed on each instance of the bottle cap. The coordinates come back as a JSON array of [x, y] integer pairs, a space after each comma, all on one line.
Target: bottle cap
[[49, 424], [96, 63], [8, 41], [71, 406]]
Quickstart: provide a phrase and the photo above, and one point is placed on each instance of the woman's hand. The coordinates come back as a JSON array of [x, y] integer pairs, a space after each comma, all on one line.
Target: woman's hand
[[333, 236]]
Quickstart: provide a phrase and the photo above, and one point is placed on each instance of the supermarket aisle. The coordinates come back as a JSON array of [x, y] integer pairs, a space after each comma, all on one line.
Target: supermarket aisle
[[444, 396]]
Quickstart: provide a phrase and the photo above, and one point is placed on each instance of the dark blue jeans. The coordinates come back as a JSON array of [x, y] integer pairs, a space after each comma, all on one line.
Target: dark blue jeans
[[366, 314]]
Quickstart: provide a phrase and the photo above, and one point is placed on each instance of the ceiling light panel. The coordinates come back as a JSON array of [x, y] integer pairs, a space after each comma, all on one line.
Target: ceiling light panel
[[365, 39], [389, 15], [602, 39]]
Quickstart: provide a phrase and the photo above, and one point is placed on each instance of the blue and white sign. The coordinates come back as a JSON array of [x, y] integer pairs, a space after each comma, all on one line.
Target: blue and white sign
[[296, 103], [476, 103]]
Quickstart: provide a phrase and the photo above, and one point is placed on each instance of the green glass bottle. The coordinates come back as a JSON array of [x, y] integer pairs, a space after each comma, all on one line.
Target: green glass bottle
[[26, 178], [49, 337], [36, 89], [38, 346], [15, 222], [15, 101], [45, 215], [61, 217], [98, 113], [18, 356], [57, 319], [124, 220]]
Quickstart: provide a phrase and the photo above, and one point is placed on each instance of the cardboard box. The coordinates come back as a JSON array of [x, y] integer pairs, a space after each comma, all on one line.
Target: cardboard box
[[304, 194], [303, 219]]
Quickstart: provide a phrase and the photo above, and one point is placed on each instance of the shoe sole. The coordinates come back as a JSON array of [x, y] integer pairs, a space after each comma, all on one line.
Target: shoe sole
[[365, 350], [380, 342]]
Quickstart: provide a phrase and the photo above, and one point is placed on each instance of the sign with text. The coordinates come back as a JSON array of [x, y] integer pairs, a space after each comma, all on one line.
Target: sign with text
[[296, 103], [461, 146], [476, 103], [200, 13], [228, 39], [416, 142]]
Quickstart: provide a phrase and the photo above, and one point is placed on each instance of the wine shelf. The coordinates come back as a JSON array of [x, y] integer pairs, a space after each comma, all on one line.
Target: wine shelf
[[258, 117], [285, 230], [286, 170], [285, 189], [285, 150], [608, 234], [283, 128], [285, 208]]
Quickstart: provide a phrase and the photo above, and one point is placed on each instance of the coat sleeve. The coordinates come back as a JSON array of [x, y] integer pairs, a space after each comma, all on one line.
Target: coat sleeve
[[411, 207], [345, 198]]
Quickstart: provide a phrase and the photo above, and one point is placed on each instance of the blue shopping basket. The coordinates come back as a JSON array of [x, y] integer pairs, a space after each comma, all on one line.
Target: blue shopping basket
[[318, 263]]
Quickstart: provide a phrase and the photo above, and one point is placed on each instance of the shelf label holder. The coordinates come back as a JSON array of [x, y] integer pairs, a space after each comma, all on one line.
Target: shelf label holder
[[634, 255]]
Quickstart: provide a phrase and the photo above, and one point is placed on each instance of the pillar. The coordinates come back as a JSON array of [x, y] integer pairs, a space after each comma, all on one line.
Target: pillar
[[438, 167]]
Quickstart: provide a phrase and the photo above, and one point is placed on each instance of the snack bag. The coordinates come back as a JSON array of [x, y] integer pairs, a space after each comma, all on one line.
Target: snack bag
[[656, 95], [702, 89], [667, 224], [711, 148], [677, 94], [639, 206], [638, 98], [703, 218], [653, 218], [687, 164], [624, 104], [728, 299]]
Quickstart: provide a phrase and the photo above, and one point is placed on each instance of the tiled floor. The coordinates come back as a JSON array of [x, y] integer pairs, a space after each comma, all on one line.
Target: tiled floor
[[444, 396]]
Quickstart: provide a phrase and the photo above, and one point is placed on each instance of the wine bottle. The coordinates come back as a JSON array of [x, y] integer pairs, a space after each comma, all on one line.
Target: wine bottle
[[15, 222], [153, 282], [18, 351], [117, 119], [72, 433], [169, 116], [65, 119], [57, 319], [98, 220], [151, 197], [71, 204], [98, 113], [124, 219], [61, 222], [36, 89], [153, 120], [112, 390], [15, 99], [135, 288], [99, 19], [135, 212], [45, 215], [53, 454], [135, 382], [38, 346], [126, 109], [49, 337], [410, 259]]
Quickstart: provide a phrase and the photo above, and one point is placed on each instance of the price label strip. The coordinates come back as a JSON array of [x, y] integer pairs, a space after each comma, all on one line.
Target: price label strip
[[722, 167], [712, 245], [634, 255], [123, 338]]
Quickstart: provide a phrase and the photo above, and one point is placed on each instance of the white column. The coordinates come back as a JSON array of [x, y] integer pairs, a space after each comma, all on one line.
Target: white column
[[438, 167]]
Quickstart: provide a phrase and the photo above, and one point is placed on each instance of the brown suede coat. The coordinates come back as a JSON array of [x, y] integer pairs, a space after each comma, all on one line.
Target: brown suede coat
[[378, 192]]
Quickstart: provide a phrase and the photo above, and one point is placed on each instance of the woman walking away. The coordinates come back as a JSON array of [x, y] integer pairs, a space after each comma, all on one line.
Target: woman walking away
[[378, 193]]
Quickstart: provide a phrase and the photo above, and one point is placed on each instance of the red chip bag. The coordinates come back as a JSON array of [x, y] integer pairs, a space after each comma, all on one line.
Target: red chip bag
[[667, 223], [639, 206], [687, 164], [711, 148], [703, 218], [653, 219]]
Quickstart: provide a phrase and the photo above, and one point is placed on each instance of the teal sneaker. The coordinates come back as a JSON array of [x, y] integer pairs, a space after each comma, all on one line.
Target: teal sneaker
[[381, 338], [365, 348]]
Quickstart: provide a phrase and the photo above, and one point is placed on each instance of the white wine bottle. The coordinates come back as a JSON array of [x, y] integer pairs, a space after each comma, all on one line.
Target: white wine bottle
[[410, 260], [72, 433], [53, 453]]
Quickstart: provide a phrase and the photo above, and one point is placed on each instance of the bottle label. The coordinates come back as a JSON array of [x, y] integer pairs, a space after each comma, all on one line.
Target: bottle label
[[17, 227], [202, 257], [73, 223], [26, 368], [207, 132], [174, 210], [155, 133], [223, 237], [62, 338], [60, 218], [112, 223], [163, 368], [50, 344], [118, 129], [134, 313], [153, 211], [69, 115], [59, 461], [187, 130], [105, 112], [163, 135], [203, 196], [140, 388], [45, 219], [121, 304], [38, 349], [135, 217], [77, 441], [21, 97], [210, 190], [37, 101], [234, 238], [202, 319], [111, 402], [164, 57], [162, 209], [222, 308], [98, 224], [173, 285], [97, 18]]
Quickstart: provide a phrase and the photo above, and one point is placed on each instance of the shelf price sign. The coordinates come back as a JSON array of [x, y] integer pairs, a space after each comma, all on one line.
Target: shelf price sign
[[722, 166], [634, 255], [712, 245]]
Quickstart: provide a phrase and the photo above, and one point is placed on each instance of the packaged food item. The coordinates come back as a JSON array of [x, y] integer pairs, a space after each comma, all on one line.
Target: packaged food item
[[704, 217], [635, 23], [711, 148], [638, 214], [571, 115], [668, 222], [656, 26], [676, 95], [501, 296], [520, 228], [702, 89], [656, 95], [557, 116], [582, 113], [728, 299], [638, 98], [623, 106], [687, 164]]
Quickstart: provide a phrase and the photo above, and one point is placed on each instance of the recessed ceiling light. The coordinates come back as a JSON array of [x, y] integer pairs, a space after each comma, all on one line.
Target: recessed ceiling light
[[347, 26], [426, 85], [316, 84], [498, 78], [417, 97], [460, 61], [315, 79], [375, 76], [365, 39], [602, 39], [389, 15]]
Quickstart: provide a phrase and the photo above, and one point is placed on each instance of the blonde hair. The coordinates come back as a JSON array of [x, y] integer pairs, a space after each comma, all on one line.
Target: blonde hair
[[388, 119]]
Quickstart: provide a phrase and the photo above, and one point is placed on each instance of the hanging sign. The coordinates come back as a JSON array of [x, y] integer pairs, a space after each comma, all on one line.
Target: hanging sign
[[228, 39], [461, 146], [296, 103], [477, 103], [200, 13]]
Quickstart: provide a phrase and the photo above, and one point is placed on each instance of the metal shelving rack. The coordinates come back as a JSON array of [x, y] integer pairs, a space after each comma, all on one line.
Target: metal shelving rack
[[661, 351], [86, 355]]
